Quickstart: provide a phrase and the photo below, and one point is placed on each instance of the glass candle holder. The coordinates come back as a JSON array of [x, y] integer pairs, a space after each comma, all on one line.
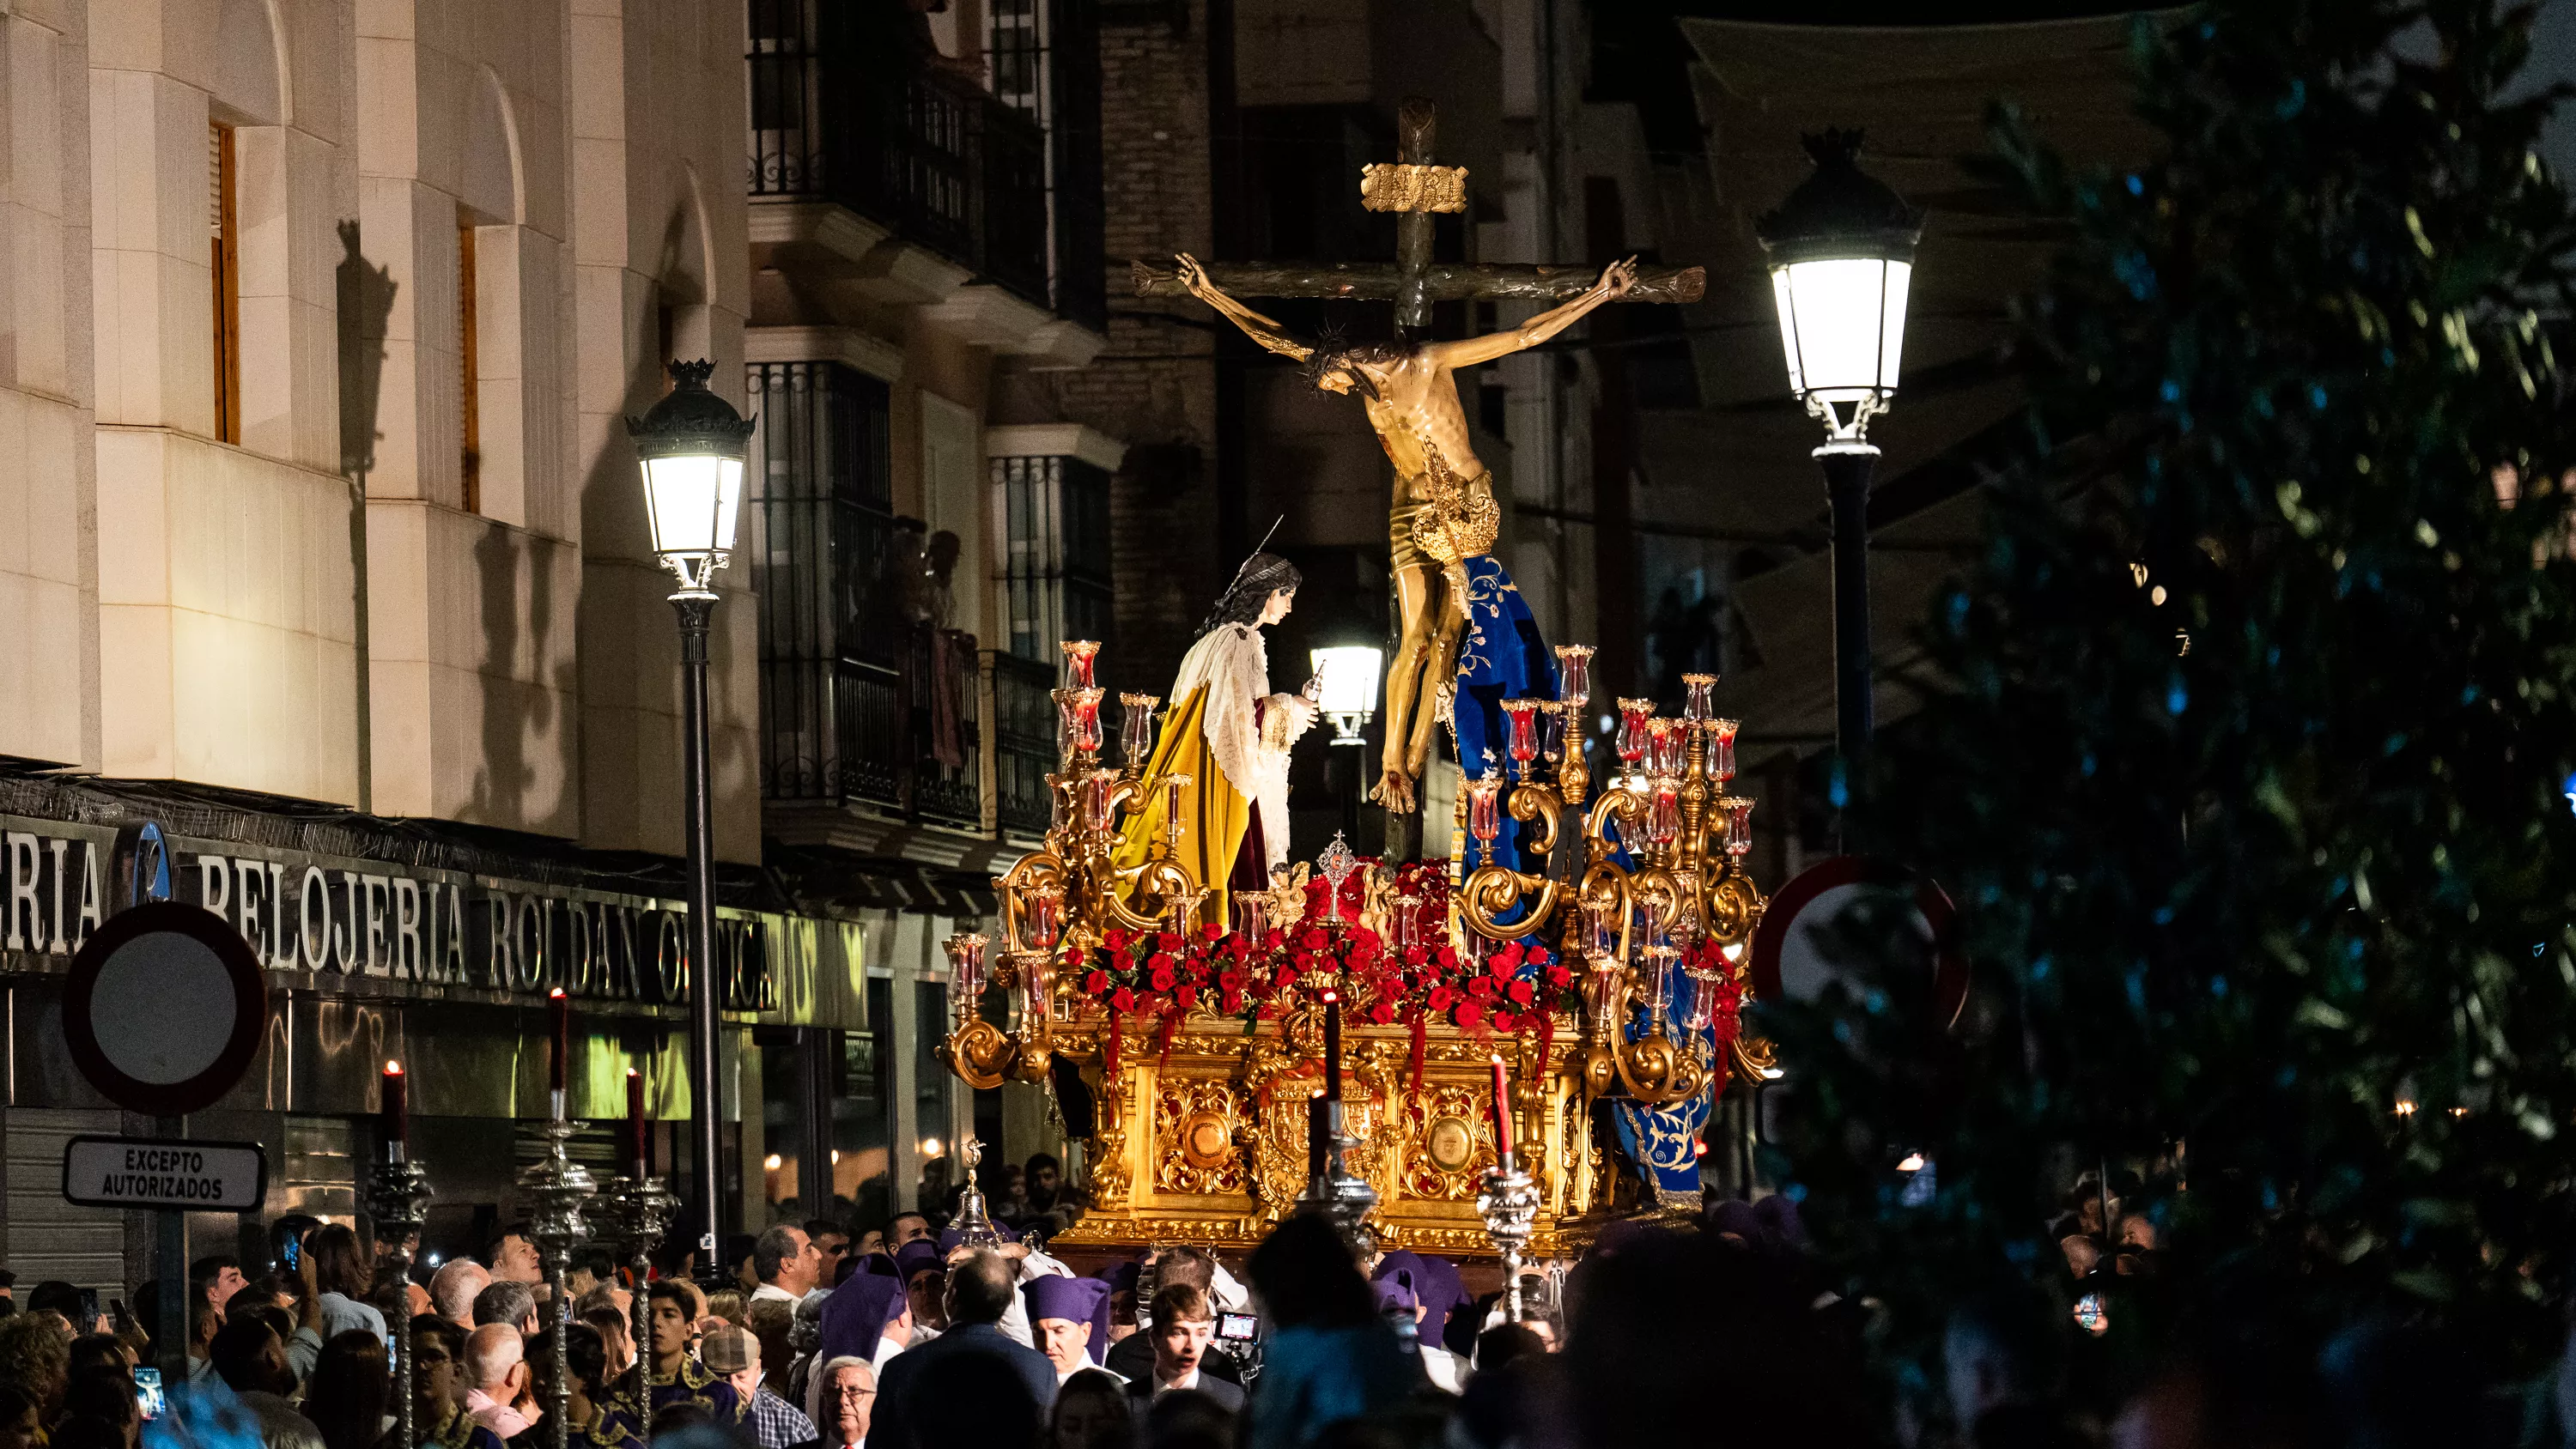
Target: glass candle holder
[[1699, 999], [1057, 800], [1603, 994], [1574, 674], [1524, 747], [1551, 733], [1484, 811], [1037, 985], [1600, 932], [1096, 791], [1183, 910], [1659, 982], [1078, 654], [1042, 917], [1664, 815], [1407, 924], [1086, 720], [1064, 724], [1174, 824], [1700, 690], [965, 973], [1136, 729], [1664, 739], [1631, 743], [1721, 749], [1739, 825]]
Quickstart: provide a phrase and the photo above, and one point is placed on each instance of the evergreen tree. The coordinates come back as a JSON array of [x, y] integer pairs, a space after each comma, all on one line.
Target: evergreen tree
[[2246, 747]]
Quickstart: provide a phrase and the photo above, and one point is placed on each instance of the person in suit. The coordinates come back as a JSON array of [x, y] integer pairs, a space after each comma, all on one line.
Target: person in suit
[[1184, 1320], [979, 1289]]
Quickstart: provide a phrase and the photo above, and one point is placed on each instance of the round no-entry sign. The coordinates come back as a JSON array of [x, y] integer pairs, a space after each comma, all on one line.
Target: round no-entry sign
[[164, 1008]]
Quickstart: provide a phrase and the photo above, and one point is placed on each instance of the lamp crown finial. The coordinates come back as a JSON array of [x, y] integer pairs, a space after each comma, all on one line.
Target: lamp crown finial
[[1833, 146], [692, 374]]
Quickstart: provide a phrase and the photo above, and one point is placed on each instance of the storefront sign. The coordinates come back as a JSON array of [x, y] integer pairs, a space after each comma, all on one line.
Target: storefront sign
[[331, 916], [145, 1172]]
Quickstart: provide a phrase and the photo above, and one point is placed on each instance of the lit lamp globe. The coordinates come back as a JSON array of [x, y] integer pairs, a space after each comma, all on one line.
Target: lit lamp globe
[[690, 446], [1347, 675], [1841, 251]]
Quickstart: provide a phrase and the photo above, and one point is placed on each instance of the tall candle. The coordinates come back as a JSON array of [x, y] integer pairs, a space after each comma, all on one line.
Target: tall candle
[[639, 1130], [394, 1114], [559, 1008], [1502, 1114], [1332, 1046]]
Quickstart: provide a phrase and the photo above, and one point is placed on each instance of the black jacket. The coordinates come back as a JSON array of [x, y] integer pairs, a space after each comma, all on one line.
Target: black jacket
[[1132, 1358], [892, 1424]]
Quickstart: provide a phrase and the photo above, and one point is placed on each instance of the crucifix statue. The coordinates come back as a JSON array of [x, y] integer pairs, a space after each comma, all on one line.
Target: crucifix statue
[[1442, 519]]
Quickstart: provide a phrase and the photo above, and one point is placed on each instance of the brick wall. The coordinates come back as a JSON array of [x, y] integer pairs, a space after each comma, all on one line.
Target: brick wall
[[1155, 161]]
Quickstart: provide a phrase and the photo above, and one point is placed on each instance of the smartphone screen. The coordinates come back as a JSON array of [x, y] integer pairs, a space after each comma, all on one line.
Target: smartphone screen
[[289, 1256], [147, 1393], [1236, 1326]]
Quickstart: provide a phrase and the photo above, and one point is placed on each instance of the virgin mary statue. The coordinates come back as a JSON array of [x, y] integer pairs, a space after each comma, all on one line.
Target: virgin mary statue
[[1231, 736]]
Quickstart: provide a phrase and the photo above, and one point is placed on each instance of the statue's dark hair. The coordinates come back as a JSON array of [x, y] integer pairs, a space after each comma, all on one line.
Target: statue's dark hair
[[1334, 354], [1262, 575]]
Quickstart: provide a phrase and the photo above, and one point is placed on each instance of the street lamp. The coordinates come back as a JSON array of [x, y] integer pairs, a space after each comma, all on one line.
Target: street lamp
[[1347, 676], [690, 446], [1841, 249]]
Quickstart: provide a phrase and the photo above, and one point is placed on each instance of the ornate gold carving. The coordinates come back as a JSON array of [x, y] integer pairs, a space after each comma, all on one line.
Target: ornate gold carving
[[979, 1054], [1449, 1142], [1404, 187], [1194, 1123]]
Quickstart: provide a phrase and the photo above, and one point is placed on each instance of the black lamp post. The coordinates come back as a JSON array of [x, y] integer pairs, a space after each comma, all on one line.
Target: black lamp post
[[1841, 249], [691, 445]]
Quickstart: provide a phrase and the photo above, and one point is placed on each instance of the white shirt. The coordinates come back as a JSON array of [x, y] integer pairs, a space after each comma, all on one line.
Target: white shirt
[[1443, 1368], [1164, 1386], [769, 1292], [888, 1348]]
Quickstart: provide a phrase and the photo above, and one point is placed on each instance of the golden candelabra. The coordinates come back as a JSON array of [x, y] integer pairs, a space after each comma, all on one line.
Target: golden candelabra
[[1201, 1106]]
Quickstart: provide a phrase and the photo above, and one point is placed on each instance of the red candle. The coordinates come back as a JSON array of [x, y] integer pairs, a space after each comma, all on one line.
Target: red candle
[[559, 1006], [1502, 1114], [394, 1115], [1332, 1046], [639, 1130]]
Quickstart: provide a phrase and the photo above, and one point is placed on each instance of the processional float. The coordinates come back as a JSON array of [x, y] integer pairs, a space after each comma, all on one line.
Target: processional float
[[1417, 1049]]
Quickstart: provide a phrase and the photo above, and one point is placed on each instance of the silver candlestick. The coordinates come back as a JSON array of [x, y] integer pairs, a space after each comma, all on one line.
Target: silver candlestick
[[1342, 1198], [1509, 1206], [638, 1209], [398, 1195], [560, 1189]]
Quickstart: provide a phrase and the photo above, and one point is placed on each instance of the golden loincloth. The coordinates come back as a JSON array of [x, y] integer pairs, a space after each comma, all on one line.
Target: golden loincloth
[[1439, 520]]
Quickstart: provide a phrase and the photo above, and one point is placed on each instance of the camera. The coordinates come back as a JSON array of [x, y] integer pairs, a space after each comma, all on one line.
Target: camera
[[1237, 1327]]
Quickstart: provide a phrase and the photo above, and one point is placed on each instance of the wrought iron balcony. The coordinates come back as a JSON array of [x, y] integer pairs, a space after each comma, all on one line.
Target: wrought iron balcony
[[847, 107]]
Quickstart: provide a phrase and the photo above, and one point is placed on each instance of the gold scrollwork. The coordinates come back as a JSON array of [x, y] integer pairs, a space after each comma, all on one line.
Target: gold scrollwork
[[1194, 1131]]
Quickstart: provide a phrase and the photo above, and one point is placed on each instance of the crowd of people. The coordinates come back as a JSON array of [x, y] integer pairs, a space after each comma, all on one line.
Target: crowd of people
[[904, 1336]]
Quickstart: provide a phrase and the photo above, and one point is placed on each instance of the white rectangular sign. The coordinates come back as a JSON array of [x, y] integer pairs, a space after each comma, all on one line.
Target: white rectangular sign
[[146, 1172]]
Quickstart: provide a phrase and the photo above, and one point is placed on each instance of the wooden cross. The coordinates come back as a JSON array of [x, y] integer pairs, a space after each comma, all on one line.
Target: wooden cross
[[1415, 190]]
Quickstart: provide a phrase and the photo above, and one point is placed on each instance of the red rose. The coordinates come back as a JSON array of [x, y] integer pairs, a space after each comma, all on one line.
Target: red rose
[[1507, 957], [1116, 939], [1162, 978], [1125, 1000], [1210, 931], [1441, 996], [1314, 939], [1382, 1013], [1520, 992], [1188, 997], [1448, 958], [1470, 1015], [1167, 941], [1499, 967], [1559, 976], [1095, 983], [1415, 956], [1538, 956], [1505, 1021], [1232, 1002], [1231, 981], [1480, 987], [1288, 975]]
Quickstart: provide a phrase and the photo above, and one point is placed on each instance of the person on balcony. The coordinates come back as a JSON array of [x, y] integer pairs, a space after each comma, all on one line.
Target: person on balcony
[[1231, 736]]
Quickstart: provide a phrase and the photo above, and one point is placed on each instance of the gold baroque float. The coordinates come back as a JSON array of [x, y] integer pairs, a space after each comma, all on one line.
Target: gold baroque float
[[1199, 1128]]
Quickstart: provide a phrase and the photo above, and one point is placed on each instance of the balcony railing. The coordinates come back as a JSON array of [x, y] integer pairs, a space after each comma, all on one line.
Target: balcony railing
[[845, 110], [859, 732], [1022, 716]]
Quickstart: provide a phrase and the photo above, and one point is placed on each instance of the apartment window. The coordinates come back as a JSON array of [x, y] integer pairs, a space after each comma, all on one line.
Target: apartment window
[[1055, 577], [469, 369], [1017, 42], [825, 563], [224, 238]]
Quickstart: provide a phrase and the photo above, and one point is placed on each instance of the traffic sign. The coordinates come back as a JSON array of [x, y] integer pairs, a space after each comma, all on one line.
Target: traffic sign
[[1787, 964], [164, 1008], [153, 1172]]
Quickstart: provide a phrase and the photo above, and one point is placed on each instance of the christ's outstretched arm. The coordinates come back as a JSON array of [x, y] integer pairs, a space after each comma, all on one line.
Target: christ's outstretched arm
[[1255, 326], [1615, 281]]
